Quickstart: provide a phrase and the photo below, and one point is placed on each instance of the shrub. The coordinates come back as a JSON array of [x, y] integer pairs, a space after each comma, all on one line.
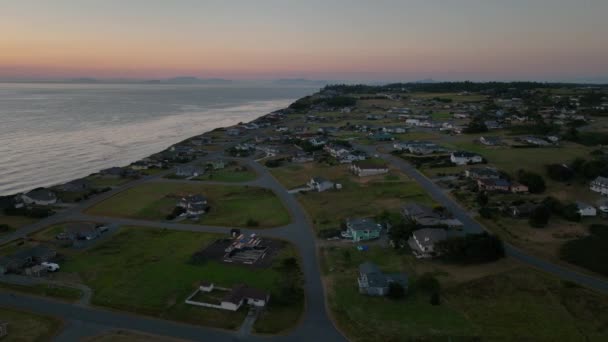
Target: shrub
[[539, 217], [427, 282], [252, 223], [471, 248], [395, 291]]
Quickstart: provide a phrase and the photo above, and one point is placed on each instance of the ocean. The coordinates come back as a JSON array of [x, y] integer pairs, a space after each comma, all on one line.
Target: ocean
[[53, 133]]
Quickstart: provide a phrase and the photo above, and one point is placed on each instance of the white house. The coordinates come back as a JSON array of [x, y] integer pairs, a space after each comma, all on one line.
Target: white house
[[586, 210], [464, 158], [422, 242], [366, 168], [39, 197], [600, 184], [320, 184]]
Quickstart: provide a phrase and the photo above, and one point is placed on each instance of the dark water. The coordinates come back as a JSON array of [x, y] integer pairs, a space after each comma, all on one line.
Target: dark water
[[52, 133]]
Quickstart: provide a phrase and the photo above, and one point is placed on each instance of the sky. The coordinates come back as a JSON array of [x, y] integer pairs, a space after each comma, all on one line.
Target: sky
[[380, 40]]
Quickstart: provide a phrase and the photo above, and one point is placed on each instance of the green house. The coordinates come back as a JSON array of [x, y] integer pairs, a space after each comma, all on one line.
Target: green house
[[362, 229]]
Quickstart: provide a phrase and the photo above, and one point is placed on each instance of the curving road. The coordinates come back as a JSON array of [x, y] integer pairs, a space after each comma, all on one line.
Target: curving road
[[314, 325], [472, 226]]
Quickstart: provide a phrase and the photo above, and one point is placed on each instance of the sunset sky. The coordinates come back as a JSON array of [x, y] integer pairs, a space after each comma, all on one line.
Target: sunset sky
[[564, 40]]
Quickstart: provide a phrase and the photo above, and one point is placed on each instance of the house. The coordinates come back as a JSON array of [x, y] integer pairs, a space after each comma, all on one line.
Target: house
[[490, 141], [320, 184], [482, 173], [535, 141], [80, 231], [361, 229], [380, 136], [233, 299], [336, 150], [464, 158], [233, 132], [76, 185], [491, 124], [39, 196], [427, 217], [600, 184], [217, 164], [522, 210], [194, 205], [373, 282], [422, 242], [518, 188], [494, 184], [188, 171], [17, 261], [368, 168], [318, 141], [585, 210], [302, 157], [114, 171]]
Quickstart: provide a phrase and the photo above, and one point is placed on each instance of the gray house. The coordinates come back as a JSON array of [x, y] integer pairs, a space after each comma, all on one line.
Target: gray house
[[320, 184], [374, 282], [188, 171]]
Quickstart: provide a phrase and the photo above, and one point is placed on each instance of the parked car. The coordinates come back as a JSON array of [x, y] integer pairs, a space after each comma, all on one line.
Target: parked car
[[51, 266]]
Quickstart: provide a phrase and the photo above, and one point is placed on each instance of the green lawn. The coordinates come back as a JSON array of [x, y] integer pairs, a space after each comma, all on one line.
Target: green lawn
[[148, 271], [231, 206], [488, 307], [61, 292], [229, 174], [26, 326], [359, 197]]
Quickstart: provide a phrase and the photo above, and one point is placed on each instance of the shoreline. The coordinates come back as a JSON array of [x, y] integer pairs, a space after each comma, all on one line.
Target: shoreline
[[166, 146]]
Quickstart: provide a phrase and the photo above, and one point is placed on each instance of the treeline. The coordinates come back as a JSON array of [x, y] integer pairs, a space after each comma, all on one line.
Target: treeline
[[448, 87], [471, 248]]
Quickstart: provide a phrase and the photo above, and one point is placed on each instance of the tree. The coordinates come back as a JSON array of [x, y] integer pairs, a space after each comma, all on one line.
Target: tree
[[476, 126], [427, 282], [289, 282], [435, 299], [482, 198], [534, 182], [471, 248], [401, 232], [539, 217], [559, 172], [395, 290]]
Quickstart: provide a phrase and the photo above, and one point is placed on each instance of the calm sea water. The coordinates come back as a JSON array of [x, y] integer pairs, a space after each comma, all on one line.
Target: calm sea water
[[52, 133]]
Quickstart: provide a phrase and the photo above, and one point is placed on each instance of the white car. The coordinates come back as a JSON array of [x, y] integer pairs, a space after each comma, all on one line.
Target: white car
[[51, 266]]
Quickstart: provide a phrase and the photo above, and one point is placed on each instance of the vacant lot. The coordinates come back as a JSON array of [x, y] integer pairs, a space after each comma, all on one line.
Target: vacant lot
[[25, 326], [231, 206], [361, 198], [229, 174], [486, 304], [590, 251], [129, 336], [149, 271]]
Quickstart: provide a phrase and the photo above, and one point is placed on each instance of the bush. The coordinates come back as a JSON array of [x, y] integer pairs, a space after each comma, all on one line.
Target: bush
[[590, 251], [252, 223], [534, 182], [539, 217], [395, 291], [5, 228], [435, 299], [328, 233], [471, 248], [427, 282]]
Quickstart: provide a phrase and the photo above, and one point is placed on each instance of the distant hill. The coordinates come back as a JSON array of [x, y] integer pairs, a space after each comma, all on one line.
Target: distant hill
[[426, 80], [300, 81], [193, 80]]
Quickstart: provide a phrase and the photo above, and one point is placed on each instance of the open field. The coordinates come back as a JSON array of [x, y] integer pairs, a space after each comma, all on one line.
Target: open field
[[477, 302], [129, 336], [148, 271], [367, 196], [25, 326], [231, 206], [61, 292], [229, 174]]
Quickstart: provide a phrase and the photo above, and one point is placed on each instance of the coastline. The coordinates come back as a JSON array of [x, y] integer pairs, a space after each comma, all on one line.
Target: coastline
[[158, 147]]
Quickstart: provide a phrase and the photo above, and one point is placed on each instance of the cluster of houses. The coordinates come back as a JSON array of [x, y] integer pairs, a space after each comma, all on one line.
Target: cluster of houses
[[491, 180], [75, 231], [35, 261], [193, 205], [419, 147], [344, 154]]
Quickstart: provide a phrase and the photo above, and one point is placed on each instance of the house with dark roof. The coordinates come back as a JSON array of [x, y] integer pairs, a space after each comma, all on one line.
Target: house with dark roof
[[233, 298], [482, 173], [427, 217], [188, 171], [464, 158], [39, 196], [361, 229], [422, 242], [17, 261], [80, 231], [76, 185], [494, 185], [373, 282]]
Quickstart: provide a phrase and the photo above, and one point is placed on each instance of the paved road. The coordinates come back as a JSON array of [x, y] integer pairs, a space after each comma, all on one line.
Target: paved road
[[472, 226], [315, 323]]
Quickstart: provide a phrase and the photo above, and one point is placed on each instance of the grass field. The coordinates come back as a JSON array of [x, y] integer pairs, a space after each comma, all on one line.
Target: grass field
[[231, 206], [24, 326], [229, 174], [60, 292], [16, 222], [148, 271], [363, 197], [589, 252], [129, 336], [486, 304]]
